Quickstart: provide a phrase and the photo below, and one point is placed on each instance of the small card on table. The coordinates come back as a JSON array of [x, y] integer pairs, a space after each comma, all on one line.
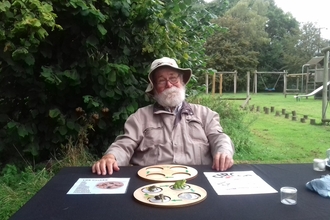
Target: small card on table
[[238, 183], [100, 186]]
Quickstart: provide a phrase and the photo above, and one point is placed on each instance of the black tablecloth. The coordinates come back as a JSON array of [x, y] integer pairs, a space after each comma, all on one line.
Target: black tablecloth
[[52, 202]]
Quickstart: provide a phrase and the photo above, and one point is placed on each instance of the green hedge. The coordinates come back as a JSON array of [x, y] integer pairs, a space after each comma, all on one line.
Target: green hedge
[[68, 66]]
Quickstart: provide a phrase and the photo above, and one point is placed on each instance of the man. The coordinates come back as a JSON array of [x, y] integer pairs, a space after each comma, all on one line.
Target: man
[[171, 131]]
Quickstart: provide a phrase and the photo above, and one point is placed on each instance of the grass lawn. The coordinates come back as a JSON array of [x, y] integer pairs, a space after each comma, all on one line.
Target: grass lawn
[[280, 140]]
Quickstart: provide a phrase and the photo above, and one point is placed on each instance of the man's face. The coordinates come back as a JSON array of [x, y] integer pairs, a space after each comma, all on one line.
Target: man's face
[[169, 88], [165, 78]]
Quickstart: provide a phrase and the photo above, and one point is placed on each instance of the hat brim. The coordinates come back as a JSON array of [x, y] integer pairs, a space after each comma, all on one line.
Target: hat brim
[[187, 72]]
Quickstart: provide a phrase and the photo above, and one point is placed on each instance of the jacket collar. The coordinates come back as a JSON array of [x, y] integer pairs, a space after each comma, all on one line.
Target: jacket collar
[[185, 109]]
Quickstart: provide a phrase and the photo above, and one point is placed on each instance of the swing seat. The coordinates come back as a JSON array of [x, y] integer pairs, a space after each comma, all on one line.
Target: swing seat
[[270, 89]]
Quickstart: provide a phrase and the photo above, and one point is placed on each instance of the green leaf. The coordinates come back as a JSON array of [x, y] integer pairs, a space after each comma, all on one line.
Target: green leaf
[[92, 40], [77, 127], [42, 33], [101, 29], [100, 80], [33, 148], [53, 113], [73, 76], [110, 93], [103, 94], [4, 5], [135, 105], [20, 52], [63, 130], [130, 108], [118, 91], [29, 129], [115, 116], [125, 11], [29, 59], [46, 72], [61, 120], [12, 124], [87, 98], [70, 125], [22, 132], [33, 22], [182, 6], [95, 104], [112, 76], [127, 51]]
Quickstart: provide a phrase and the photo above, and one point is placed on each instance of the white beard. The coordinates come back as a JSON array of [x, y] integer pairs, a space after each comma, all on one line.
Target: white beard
[[171, 97]]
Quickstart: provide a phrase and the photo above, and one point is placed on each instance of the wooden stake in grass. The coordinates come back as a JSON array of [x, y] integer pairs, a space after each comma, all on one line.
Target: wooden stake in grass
[[272, 109], [294, 118], [312, 121], [267, 111], [302, 120], [286, 115], [277, 113]]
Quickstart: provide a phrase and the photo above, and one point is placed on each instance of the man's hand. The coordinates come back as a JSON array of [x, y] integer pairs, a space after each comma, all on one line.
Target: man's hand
[[107, 164], [222, 162]]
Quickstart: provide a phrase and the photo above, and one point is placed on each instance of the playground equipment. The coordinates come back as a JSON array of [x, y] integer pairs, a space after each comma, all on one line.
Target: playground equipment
[[313, 76], [246, 102], [220, 81], [314, 92], [311, 80], [255, 89], [321, 76], [270, 88], [294, 89], [325, 83]]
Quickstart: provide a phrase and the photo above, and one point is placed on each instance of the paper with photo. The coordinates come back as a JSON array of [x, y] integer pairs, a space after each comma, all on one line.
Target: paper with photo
[[238, 183], [100, 186]]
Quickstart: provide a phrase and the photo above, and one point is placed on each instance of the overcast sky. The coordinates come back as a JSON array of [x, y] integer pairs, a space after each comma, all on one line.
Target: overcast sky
[[316, 11]]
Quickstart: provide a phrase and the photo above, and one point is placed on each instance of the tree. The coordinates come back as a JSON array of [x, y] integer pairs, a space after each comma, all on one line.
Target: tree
[[300, 49], [281, 28], [219, 7], [238, 48], [68, 66]]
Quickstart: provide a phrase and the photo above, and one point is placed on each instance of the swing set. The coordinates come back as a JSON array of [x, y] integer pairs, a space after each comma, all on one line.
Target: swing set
[[273, 88], [269, 89]]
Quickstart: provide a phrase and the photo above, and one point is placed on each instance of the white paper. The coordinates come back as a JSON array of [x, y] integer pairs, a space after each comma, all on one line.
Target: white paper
[[238, 183], [100, 186]]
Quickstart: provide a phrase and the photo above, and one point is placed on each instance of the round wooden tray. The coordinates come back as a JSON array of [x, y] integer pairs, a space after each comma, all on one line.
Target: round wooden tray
[[164, 195], [167, 172]]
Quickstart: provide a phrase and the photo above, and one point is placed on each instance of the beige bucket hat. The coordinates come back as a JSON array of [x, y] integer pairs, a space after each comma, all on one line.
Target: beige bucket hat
[[166, 61]]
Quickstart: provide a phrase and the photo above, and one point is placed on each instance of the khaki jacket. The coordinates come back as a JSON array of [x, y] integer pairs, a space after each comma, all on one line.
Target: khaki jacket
[[155, 136]]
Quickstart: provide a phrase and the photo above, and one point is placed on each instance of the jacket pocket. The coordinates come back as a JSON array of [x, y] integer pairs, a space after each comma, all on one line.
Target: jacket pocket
[[148, 150], [153, 136], [196, 131], [200, 143]]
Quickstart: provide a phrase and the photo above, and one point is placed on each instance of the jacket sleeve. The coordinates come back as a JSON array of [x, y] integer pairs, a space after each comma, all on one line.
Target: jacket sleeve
[[218, 140], [124, 145]]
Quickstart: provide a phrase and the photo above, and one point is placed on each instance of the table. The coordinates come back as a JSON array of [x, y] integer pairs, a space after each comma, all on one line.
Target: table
[[52, 202]]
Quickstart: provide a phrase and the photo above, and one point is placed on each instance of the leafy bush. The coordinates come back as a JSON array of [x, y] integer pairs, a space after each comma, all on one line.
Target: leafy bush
[[231, 119], [66, 64]]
